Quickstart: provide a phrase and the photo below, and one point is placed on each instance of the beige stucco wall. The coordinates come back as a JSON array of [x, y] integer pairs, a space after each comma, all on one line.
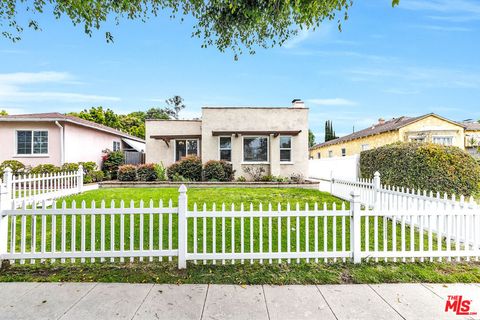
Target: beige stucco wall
[[157, 151], [8, 143], [429, 126], [83, 144], [258, 119]]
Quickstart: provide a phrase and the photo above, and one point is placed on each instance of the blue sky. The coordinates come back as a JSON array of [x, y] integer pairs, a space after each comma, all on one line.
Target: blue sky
[[420, 57]]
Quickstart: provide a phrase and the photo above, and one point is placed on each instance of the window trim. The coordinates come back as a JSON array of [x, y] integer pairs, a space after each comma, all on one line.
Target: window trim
[[220, 148], [268, 149], [442, 136], [343, 152], [31, 154], [330, 153], [175, 148], [119, 145], [280, 150]]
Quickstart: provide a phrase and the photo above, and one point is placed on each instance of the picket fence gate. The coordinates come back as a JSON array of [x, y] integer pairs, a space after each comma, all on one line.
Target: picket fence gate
[[350, 231]]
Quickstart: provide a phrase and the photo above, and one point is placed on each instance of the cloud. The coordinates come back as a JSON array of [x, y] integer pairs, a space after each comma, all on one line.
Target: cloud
[[332, 102], [402, 91], [12, 88], [444, 29], [298, 39], [444, 6]]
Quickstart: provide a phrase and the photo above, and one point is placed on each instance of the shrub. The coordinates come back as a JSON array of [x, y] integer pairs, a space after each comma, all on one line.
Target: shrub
[[45, 168], [255, 172], [242, 179], [423, 166], [127, 172], [88, 166], [147, 172], [16, 166], [297, 178], [161, 172], [111, 162], [68, 167], [93, 176], [189, 168], [178, 178], [213, 171]]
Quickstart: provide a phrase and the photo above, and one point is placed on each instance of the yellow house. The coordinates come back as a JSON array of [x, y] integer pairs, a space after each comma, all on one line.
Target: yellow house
[[427, 128], [472, 138]]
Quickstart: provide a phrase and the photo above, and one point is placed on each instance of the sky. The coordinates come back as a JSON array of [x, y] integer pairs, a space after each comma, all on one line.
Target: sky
[[417, 58]]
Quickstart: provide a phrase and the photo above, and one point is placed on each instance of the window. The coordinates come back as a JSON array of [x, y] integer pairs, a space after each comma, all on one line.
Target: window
[[32, 142], [445, 141], [417, 139], [285, 149], [365, 147], [330, 154], [225, 148], [319, 155], [116, 146], [255, 149], [185, 148], [344, 152]]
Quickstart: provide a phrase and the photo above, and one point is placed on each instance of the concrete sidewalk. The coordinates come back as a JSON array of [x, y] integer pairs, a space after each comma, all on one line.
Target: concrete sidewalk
[[147, 301]]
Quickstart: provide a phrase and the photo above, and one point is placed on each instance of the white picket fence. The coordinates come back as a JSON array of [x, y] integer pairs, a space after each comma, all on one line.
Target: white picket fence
[[38, 187], [115, 231]]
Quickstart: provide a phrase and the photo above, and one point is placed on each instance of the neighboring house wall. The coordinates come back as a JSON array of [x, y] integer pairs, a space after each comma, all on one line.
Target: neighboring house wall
[[157, 150], [428, 128], [472, 142], [431, 127], [258, 119], [8, 148], [355, 146], [83, 144]]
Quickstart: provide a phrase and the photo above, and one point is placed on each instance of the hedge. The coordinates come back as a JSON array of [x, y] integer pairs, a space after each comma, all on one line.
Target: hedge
[[423, 166], [127, 172], [215, 170], [189, 168]]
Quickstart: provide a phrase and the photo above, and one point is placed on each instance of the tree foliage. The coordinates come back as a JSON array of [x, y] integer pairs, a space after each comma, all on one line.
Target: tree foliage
[[134, 122], [241, 24], [311, 138], [329, 132]]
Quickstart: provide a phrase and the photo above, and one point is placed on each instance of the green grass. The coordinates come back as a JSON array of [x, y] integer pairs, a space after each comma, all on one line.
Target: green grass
[[283, 274]]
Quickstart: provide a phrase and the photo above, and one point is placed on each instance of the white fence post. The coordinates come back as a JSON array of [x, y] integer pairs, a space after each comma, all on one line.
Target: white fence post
[[376, 186], [80, 178], [356, 221], [182, 227], [5, 203]]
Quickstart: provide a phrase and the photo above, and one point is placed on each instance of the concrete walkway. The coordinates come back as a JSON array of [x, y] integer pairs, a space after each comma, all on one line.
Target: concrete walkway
[[147, 301]]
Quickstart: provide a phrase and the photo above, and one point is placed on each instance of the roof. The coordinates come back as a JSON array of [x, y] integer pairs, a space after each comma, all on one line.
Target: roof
[[55, 116], [390, 125], [254, 107], [471, 126]]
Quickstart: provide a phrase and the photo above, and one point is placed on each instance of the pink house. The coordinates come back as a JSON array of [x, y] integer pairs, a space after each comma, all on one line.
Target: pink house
[[56, 138]]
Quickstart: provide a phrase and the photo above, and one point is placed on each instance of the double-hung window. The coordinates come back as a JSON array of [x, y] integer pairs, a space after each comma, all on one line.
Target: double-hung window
[[116, 146], [285, 149], [445, 141], [225, 148], [255, 149], [185, 147], [344, 152], [32, 142]]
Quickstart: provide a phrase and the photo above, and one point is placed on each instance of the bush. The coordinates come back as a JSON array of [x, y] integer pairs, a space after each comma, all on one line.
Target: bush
[[88, 166], [16, 166], [147, 172], [297, 178], [45, 168], [93, 176], [241, 179], [428, 167], [127, 172], [189, 168], [218, 171], [111, 163], [255, 172], [161, 172], [68, 167]]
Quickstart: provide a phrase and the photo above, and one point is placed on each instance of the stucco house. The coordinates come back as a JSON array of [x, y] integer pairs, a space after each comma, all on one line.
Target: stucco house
[[56, 138], [273, 137], [427, 128]]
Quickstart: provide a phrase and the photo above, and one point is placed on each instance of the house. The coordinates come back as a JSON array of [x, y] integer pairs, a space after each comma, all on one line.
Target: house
[[472, 138], [427, 128], [275, 138], [55, 138]]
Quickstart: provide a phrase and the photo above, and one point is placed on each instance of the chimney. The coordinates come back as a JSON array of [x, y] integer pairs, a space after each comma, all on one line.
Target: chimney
[[298, 103], [381, 121]]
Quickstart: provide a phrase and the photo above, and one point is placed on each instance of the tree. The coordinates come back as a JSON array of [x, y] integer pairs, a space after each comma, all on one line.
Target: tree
[[329, 132], [3, 113], [221, 23], [311, 138], [175, 105]]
